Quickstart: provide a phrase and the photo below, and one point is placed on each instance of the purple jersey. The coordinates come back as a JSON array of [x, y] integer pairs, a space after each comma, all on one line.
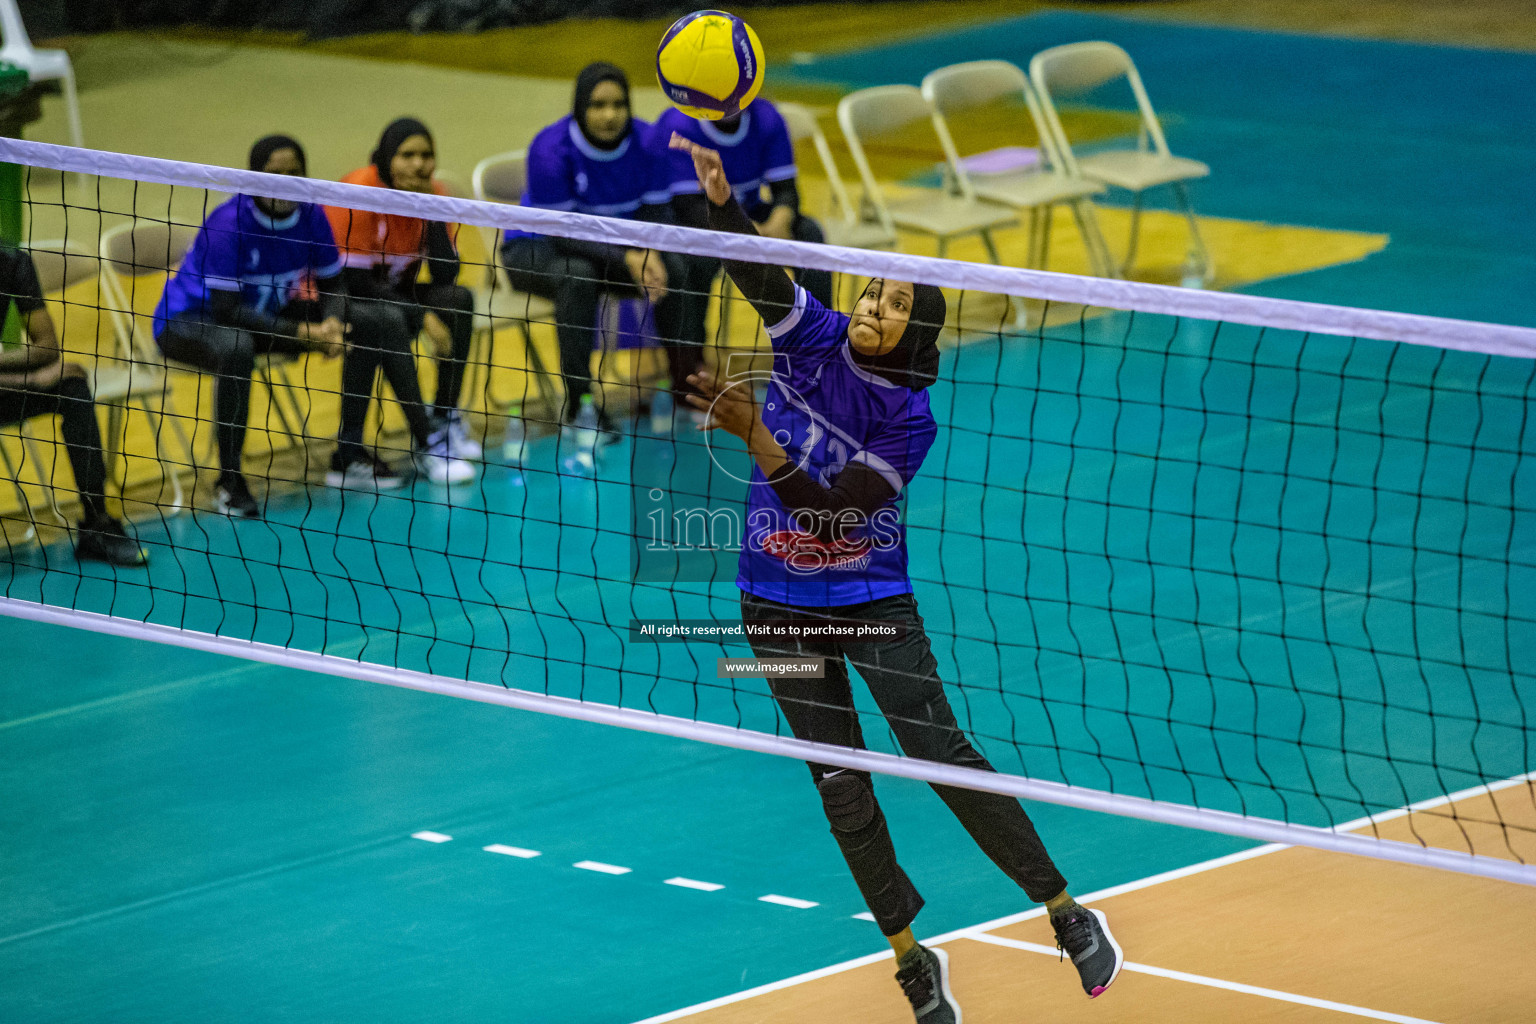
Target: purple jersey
[[827, 412], [239, 248], [566, 172], [756, 154]]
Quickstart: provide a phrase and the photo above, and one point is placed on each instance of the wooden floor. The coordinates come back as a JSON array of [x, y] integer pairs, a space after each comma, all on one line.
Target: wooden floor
[[1278, 934]]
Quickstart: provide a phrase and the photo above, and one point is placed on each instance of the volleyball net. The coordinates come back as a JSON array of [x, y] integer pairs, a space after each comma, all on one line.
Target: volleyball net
[[1260, 567]]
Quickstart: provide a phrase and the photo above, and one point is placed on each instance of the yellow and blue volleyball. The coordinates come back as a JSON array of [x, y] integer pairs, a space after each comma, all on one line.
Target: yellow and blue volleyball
[[710, 64]]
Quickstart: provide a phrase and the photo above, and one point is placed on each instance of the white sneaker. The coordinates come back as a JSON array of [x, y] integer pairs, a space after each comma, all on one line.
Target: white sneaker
[[438, 464], [459, 442]]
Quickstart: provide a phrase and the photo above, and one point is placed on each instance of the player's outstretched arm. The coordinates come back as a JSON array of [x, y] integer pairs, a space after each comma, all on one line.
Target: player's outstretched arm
[[770, 289]]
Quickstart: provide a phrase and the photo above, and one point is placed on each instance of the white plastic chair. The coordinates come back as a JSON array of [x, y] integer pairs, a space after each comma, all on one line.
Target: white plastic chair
[[844, 226], [1038, 189], [886, 108], [1079, 67], [142, 249], [40, 65], [501, 179]]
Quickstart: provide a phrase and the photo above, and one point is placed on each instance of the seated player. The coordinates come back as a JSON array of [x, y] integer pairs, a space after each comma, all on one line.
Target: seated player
[[242, 289], [382, 255], [757, 153], [598, 160], [36, 381], [861, 411]]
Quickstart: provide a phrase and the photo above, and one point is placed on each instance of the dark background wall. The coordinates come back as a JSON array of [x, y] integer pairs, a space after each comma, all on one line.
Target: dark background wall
[[324, 18]]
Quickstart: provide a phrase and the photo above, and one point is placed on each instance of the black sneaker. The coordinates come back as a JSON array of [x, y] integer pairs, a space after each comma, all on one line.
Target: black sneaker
[[103, 540], [1083, 935], [235, 499], [923, 974]]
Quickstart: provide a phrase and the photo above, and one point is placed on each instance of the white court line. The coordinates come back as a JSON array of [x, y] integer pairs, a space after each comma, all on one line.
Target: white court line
[[510, 851], [431, 837], [601, 868], [865, 916], [788, 901], [690, 883], [1200, 979], [1093, 897]]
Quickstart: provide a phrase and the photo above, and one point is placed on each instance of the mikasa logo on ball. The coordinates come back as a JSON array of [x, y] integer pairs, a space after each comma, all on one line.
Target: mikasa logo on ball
[[749, 70]]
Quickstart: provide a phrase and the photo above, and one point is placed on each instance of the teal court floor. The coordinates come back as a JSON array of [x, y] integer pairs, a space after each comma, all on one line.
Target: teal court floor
[[191, 838]]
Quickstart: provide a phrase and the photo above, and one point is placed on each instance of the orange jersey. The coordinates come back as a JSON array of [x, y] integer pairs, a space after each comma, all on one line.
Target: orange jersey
[[369, 240]]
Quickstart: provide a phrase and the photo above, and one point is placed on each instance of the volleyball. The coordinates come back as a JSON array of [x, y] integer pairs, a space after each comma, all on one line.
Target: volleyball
[[710, 64]]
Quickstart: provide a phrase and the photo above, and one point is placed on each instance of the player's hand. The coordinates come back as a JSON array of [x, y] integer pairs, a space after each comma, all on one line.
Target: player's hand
[[44, 378], [648, 271], [731, 405], [328, 337], [780, 224], [707, 165], [438, 334]]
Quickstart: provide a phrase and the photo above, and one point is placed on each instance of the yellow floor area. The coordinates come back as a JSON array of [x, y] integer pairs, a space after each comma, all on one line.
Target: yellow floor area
[[1269, 939]]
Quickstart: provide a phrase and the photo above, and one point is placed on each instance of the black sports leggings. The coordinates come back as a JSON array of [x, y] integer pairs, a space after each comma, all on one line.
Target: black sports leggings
[[381, 339], [574, 282], [69, 399], [902, 676]]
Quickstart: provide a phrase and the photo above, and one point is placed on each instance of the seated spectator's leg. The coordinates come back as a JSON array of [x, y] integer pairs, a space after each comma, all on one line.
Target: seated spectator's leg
[[381, 339], [534, 265], [816, 282], [82, 440], [455, 306], [684, 354], [229, 354], [101, 537], [698, 284]]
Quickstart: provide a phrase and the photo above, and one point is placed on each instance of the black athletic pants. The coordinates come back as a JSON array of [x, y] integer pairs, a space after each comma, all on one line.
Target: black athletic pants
[[701, 281], [70, 400], [455, 306], [902, 676], [574, 283], [380, 338]]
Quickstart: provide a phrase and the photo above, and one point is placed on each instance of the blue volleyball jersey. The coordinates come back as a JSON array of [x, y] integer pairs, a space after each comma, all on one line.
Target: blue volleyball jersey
[[239, 248], [756, 154], [828, 412], [566, 172]]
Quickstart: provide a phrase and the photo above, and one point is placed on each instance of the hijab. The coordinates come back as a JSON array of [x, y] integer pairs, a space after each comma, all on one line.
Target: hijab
[[590, 78], [914, 362], [395, 134], [265, 146]]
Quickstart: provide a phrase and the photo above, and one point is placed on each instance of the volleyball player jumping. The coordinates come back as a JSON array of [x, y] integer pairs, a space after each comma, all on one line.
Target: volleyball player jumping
[[850, 398]]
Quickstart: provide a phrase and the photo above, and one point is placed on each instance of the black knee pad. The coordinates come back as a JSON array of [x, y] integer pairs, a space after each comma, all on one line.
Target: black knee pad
[[848, 800]]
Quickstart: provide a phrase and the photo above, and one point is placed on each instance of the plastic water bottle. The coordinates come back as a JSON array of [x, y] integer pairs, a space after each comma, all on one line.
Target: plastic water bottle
[[579, 440], [515, 448], [661, 412]]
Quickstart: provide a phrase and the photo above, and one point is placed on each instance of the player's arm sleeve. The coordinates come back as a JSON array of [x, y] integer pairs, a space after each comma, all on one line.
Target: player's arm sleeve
[[784, 193], [227, 309], [779, 170], [332, 292], [897, 451], [691, 210], [858, 488], [766, 286], [24, 288], [442, 256]]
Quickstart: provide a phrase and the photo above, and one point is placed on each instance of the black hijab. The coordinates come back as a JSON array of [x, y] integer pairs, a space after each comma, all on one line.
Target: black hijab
[[395, 134], [265, 146], [914, 362], [590, 78]]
